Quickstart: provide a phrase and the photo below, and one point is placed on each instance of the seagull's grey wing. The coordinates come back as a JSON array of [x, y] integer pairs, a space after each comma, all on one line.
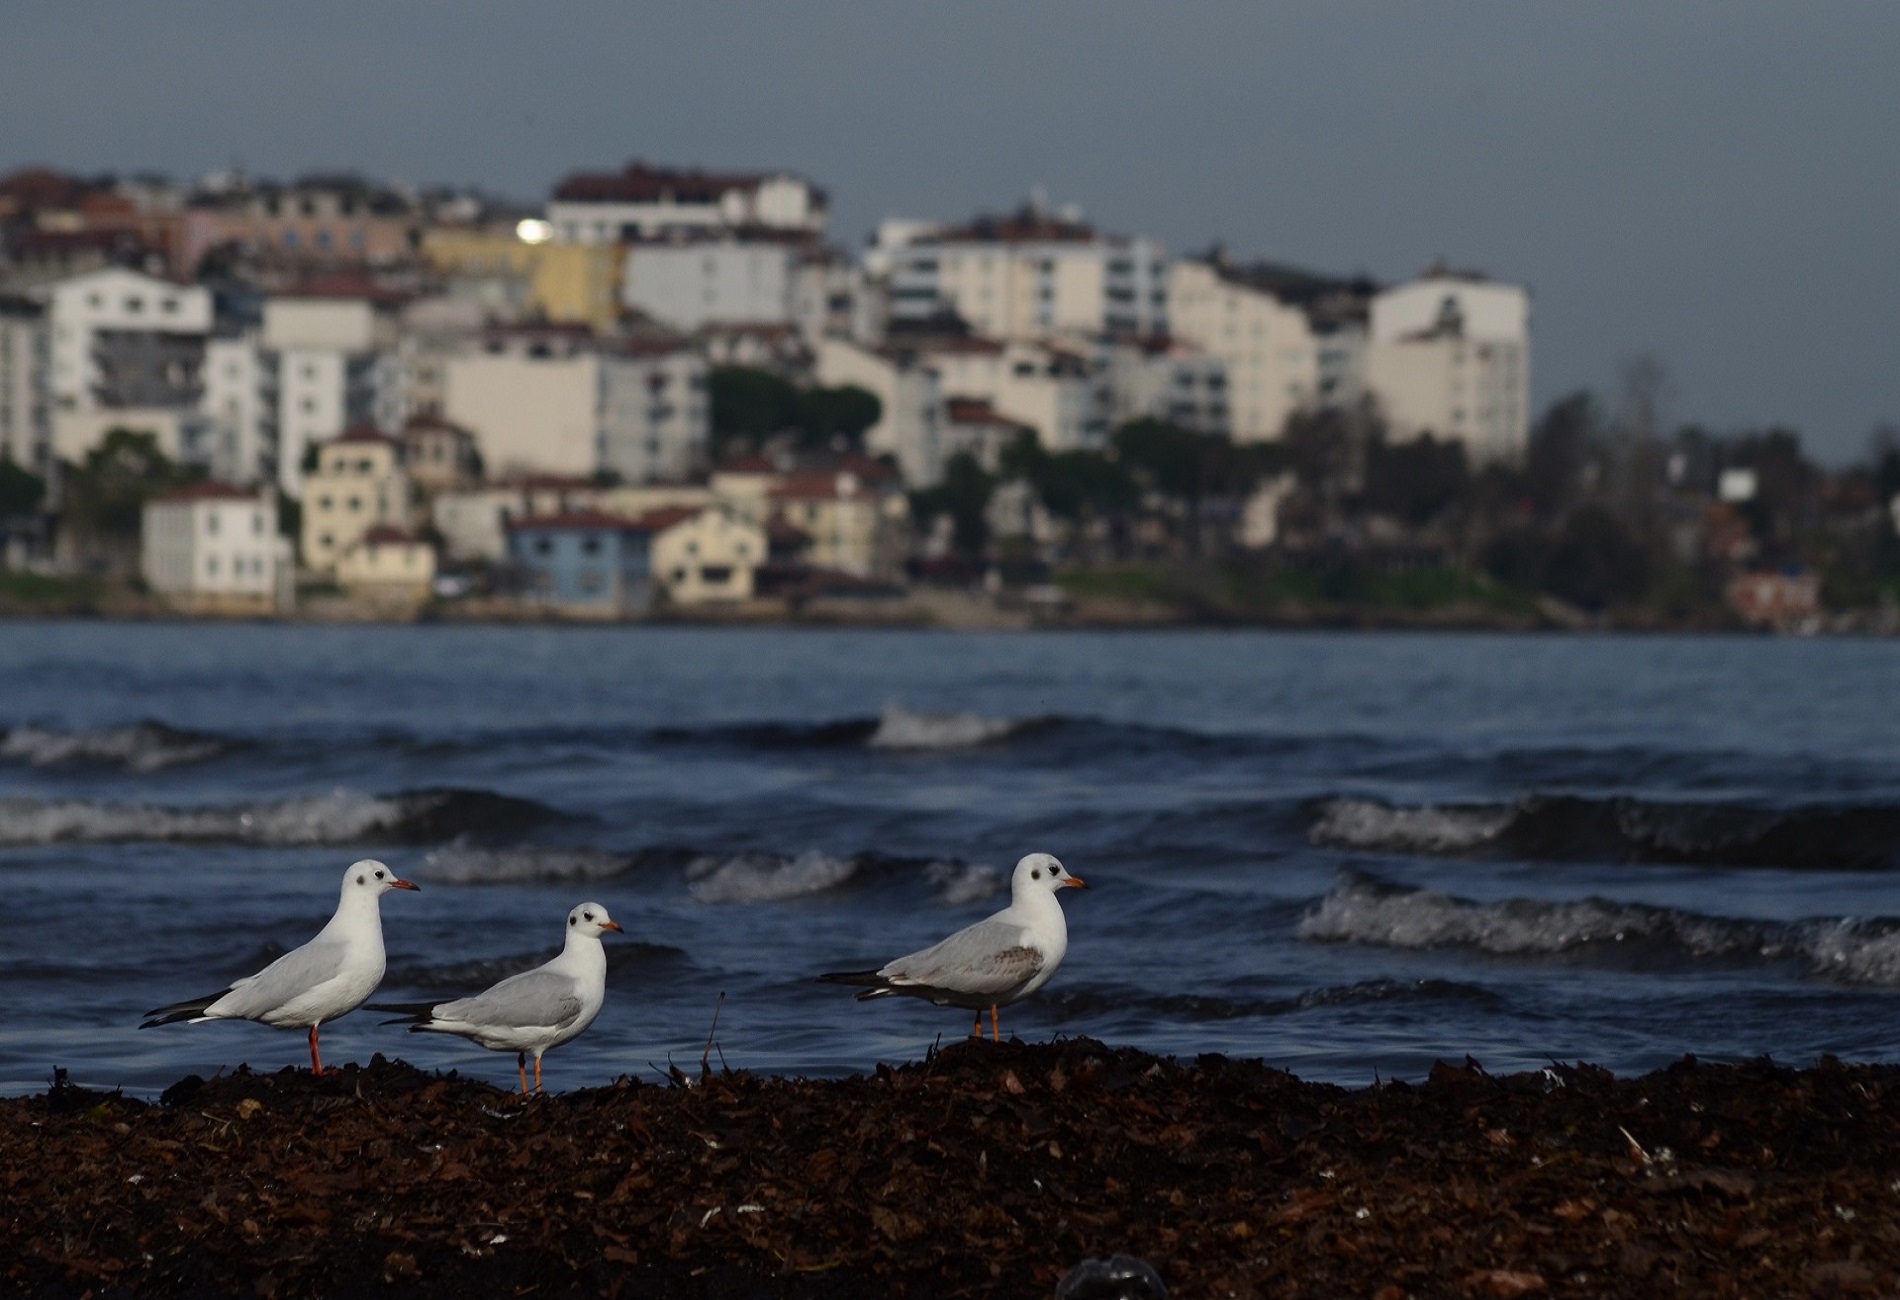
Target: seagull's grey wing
[[531, 1000], [988, 958], [289, 977]]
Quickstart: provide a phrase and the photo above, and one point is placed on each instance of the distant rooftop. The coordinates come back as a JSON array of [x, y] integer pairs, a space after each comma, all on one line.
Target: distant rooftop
[[639, 182]]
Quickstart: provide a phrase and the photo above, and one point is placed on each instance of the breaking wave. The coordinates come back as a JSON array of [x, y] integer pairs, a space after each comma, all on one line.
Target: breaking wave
[[769, 878], [1567, 828], [1363, 910], [469, 864], [900, 728], [339, 817], [141, 747]]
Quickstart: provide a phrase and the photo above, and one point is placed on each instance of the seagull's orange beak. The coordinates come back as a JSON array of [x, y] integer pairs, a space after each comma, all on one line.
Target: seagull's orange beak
[[612, 925], [1075, 881], [405, 884]]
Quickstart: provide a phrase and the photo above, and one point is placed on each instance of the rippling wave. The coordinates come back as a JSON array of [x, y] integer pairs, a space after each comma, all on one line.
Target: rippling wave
[[140, 747], [1362, 909], [1565, 828], [338, 817]]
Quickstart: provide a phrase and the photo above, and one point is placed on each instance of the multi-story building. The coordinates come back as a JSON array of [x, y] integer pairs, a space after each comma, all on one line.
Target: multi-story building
[[359, 484], [1030, 276], [316, 221], [1289, 341], [212, 546], [128, 349], [26, 399], [553, 400], [710, 280], [910, 416], [642, 202], [1049, 388], [1449, 354], [1165, 379], [441, 456], [857, 522], [563, 282], [584, 563]]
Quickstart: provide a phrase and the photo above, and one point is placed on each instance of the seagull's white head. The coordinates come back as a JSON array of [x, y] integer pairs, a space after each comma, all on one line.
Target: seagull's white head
[[590, 921], [1043, 871], [372, 879]]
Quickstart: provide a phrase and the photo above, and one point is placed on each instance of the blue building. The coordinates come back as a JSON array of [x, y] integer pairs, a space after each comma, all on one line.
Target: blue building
[[585, 562]]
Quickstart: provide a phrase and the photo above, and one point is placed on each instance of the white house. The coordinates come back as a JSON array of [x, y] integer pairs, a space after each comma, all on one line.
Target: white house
[[1165, 379], [1449, 354], [641, 202], [213, 546], [26, 399], [359, 484], [1050, 389], [909, 424]]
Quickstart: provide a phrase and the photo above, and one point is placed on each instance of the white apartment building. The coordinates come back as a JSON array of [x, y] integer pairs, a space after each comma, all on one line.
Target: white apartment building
[[689, 284], [1265, 343], [210, 545], [642, 202], [317, 365], [1031, 277], [26, 398], [554, 400], [909, 425], [127, 349], [1052, 390], [1165, 379], [1449, 354]]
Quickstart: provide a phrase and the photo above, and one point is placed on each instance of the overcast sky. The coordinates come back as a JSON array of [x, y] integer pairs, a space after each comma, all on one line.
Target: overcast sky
[[1717, 184]]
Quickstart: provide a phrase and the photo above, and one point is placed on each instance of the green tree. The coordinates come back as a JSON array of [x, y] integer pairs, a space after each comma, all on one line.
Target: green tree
[[964, 495], [827, 414], [1597, 562], [1565, 443], [21, 491], [1418, 480], [107, 492], [749, 404]]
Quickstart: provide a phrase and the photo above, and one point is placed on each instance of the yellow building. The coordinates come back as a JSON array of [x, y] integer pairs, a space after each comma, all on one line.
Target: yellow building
[[566, 282], [359, 484], [388, 564], [705, 556]]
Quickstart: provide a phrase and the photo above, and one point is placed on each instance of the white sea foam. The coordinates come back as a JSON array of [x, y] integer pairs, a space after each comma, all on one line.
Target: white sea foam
[[142, 747], [465, 864], [1366, 911], [900, 728], [764, 877], [339, 817], [960, 883], [1368, 824]]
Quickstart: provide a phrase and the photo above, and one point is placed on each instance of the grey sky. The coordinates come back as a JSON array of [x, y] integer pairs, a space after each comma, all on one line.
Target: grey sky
[[1717, 183]]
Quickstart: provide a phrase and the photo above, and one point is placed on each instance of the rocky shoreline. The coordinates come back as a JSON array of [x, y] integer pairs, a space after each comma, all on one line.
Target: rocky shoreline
[[985, 1170]]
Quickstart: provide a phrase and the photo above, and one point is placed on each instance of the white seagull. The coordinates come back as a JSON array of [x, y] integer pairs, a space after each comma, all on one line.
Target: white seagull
[[992, 963], [328, 977], [536, 1009]]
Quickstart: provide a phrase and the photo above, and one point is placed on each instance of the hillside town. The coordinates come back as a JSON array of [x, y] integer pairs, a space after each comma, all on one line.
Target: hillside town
[[668, 392]]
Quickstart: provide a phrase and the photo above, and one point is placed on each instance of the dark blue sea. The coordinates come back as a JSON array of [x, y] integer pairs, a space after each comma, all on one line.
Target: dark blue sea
[[1346, 854]]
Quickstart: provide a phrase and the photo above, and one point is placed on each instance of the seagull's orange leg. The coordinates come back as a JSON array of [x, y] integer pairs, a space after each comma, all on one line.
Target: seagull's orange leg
[[537, 1072], [521, 1064], [316, 1057], [976, 1030], [996, 1025]]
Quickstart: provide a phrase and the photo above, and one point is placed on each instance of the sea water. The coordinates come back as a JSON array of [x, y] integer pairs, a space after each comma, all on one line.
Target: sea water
[[1348, 854]]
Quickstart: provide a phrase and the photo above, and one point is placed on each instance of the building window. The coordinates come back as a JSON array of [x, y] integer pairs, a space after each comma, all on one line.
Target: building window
[[211, 524], [211, 566], [590, 546], [590, 580], [544, 546], [356, 503], [715, 575]]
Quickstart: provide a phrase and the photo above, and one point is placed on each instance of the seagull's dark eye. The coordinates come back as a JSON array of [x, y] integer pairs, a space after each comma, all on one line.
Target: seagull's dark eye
[[379, 875], [589, 916]]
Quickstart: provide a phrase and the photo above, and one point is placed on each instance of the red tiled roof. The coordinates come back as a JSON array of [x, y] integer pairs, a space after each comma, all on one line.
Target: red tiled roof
[[432, 423], [809, 485], [664, 518], [364, 433], [390, 535], [577, 520], [208, 490], [345, 284], [972, 410], [749, 465], [639, 183]]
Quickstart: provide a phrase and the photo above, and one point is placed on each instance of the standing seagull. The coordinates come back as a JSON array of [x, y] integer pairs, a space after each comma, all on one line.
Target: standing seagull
[[328, 977], [992, 963], [536, 1009]]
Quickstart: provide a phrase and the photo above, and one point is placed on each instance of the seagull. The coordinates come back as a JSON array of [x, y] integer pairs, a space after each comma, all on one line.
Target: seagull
[[328, 977], [992, 963], [536, 1009]]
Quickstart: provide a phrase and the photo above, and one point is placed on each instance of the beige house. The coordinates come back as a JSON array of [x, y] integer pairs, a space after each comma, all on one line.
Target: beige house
[[359, 484], [1449, 354], [705, 556], [440, 455], [857, 523], [1267, 343], [387, 563]]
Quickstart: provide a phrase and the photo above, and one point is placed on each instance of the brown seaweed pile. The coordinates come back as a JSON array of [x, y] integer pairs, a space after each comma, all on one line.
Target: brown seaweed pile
[[986, 1170]]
